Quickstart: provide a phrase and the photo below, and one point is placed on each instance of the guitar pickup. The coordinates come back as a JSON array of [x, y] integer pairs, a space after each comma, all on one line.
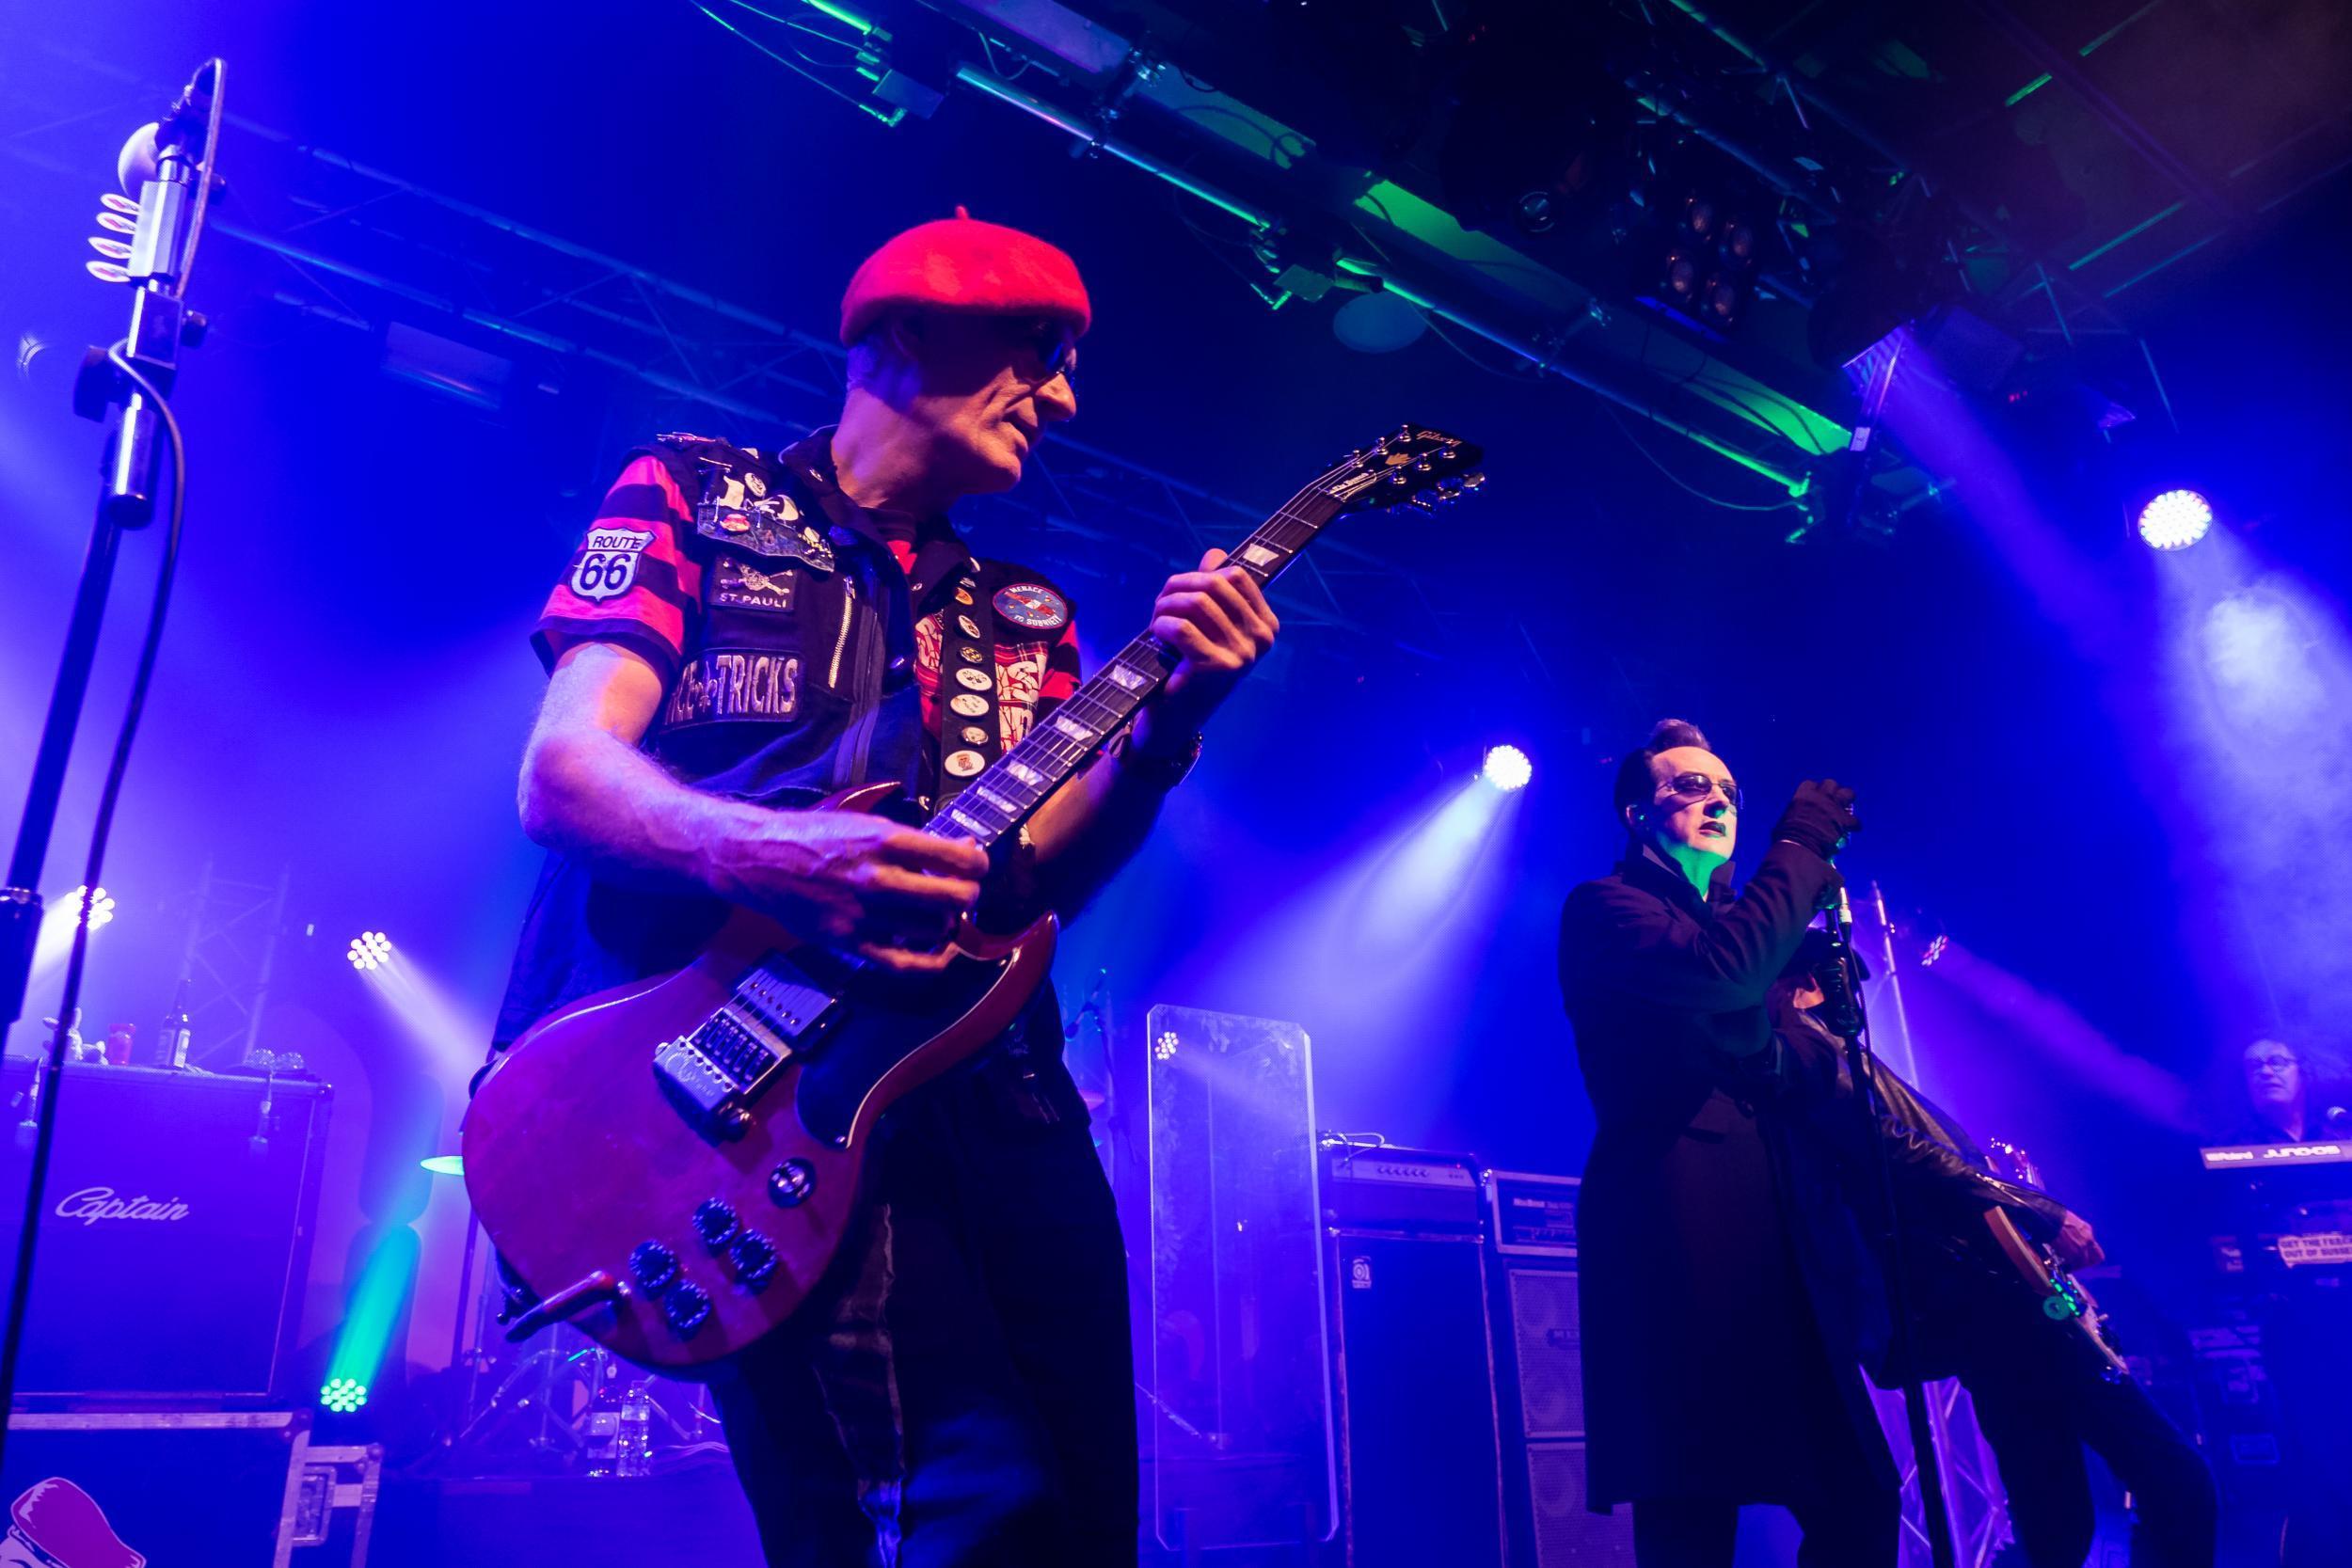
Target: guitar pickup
[[714, 1072]]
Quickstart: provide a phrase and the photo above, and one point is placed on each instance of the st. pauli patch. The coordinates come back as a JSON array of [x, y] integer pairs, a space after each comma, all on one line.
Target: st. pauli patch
[[1032, 606], [740, 585], [608, 562]]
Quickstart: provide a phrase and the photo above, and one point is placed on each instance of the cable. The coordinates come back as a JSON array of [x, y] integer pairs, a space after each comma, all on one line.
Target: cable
[[1627, 431], [52, 1080], [806, 75]]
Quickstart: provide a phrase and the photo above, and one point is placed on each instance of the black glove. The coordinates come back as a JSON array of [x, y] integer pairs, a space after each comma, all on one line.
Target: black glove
[[1819, 816]]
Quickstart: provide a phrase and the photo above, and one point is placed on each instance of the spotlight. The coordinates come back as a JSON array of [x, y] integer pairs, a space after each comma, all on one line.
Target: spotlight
[[370, 950], [1708, 267], [343, 1395], [1164, 1047], [2176, 520], [1507, 769], [102, 908]]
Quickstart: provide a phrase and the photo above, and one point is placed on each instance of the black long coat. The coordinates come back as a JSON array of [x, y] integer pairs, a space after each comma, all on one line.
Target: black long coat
[[1708, 1370]]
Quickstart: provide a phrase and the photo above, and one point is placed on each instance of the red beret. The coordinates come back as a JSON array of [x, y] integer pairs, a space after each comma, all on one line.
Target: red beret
[[69, 1529], [960, 263]]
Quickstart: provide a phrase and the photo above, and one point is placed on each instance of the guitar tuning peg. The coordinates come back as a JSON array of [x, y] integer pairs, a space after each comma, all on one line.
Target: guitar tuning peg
[[1421, 501], [1472, 479]]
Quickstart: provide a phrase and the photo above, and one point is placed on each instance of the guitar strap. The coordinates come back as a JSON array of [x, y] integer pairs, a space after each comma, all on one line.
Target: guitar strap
[[971, 725]]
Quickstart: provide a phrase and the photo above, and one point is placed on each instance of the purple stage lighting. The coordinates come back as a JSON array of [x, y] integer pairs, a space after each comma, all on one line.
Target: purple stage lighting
[[1507, 769], [370, 950], [2175, 519]]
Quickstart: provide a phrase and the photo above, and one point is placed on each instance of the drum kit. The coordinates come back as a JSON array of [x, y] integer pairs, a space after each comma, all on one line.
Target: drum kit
[[562, 1405]]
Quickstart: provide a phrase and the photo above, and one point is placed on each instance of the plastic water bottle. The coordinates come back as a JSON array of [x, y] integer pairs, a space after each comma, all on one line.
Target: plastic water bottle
[[601, 1441], [633, 1453]]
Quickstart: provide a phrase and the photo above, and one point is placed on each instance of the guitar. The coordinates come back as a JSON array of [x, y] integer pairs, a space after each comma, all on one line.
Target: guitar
[[671, 1166], [2064, 1298]]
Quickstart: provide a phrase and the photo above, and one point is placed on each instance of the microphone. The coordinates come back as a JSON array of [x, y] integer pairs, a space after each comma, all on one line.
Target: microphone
[[189, 116]]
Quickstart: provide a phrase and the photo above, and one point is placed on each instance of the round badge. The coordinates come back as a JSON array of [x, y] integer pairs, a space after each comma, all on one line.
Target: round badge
[[974, 680], [963, 596], [735, 522], [964, 764], [974, 736], [969, 705], [967, 625], [755, 484], [1032, 606], [969, 656]]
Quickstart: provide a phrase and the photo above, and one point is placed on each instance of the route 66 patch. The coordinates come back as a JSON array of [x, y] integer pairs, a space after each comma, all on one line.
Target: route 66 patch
[[607, 566]]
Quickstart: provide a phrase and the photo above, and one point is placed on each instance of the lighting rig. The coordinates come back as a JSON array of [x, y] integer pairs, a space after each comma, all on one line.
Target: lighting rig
[[1635, 197]]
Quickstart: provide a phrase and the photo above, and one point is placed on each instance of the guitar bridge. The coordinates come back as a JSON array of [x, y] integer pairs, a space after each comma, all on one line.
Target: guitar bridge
[[716, 1071]]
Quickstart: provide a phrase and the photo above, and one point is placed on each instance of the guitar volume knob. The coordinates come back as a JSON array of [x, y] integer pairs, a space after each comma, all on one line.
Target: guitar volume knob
[[653, 1265], [755, 1259], [685, 1307], [715, 1221]]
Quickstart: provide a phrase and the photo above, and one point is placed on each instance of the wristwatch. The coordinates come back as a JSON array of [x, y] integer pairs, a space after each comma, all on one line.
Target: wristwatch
[[1161, 771]]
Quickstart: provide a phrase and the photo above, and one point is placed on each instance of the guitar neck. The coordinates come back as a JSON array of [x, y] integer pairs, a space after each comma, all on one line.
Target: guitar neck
[[1009, 790]]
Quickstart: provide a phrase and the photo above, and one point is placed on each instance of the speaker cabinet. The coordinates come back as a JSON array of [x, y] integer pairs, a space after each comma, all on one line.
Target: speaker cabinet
[[1561, 1533], [1546, 1350], [1421, 1454], [1541, 1380], [176, 1237]]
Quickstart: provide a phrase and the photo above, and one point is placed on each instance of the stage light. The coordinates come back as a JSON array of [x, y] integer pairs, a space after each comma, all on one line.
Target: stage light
[[2176, 520], [343, 1395], [444, 1164], [372, 1312], [1509, 768], [102, 908], [370, 950]]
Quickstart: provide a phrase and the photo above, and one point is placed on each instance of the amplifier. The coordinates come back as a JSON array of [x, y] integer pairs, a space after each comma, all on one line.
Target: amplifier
[[1419, 1449], [1534, 1216], [1379, 1187], [1540, 1379], [176, 1237]]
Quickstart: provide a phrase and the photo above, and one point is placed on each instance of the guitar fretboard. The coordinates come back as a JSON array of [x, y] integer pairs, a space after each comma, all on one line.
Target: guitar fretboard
[[1009, 790]]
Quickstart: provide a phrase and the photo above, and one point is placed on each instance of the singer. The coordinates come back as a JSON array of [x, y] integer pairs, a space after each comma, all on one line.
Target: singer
[[1711, 1377]]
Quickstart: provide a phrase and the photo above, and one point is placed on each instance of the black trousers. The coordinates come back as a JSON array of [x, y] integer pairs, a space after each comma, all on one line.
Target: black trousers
[[1857, 1528], [969, 1397], [2040, 1403]]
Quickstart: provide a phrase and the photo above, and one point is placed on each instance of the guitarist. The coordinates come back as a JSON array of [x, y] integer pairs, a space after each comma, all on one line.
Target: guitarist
[[741, 634], [2042, 1394]]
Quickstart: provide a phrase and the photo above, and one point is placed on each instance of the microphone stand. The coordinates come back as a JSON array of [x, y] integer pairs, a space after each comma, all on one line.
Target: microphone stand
[[1861, 1062], [123, 388]]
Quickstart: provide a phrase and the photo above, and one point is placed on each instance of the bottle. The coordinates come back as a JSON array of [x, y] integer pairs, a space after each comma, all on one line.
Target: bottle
[[633, 1454], [171, 1042], [601, 1440]]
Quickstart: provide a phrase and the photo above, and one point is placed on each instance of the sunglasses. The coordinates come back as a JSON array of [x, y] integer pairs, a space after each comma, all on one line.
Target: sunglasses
[[1050, 342], [1698, 786]]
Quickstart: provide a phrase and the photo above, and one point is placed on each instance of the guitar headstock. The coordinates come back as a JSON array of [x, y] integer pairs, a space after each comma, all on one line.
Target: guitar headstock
[[1411, 466]]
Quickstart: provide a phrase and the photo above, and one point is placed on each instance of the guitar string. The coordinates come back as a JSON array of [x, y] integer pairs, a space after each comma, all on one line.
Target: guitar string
[[1287, 530]]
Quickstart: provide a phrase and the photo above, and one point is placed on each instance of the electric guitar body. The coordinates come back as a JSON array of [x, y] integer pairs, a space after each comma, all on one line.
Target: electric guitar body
[[672, 1166]]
